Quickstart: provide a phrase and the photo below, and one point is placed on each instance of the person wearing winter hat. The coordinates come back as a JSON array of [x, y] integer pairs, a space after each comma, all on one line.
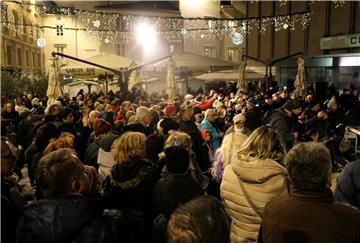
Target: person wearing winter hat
[[170, 111], [178, 186], [280, 120], [101, 126], [252, 114], [239, 125], [165, 125], [105, 157]]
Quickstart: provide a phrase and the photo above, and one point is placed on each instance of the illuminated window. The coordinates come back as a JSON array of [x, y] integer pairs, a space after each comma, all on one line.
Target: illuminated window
[[16, 22], [120, 49], [233, 54], [210, 51]]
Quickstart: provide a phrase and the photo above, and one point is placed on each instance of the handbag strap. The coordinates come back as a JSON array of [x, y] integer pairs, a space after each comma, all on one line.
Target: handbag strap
[[252, 205]]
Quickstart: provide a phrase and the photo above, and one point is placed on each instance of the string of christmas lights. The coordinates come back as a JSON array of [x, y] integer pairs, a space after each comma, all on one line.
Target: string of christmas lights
[[112, 27]]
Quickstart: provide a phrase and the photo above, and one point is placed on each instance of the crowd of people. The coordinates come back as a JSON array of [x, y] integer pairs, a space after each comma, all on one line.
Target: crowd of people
[[224, 166]]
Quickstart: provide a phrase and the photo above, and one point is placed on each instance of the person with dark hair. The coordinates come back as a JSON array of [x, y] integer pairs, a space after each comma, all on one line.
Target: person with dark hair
[[309, 214], [252, 115], [347, 184], [68, 214], [12, 203], [177, 186], [67, 118], [282, 120], [202, 219]]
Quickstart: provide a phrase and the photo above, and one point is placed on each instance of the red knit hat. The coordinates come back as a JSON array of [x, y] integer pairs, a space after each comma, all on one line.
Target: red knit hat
[[101, 126], [170, 109]]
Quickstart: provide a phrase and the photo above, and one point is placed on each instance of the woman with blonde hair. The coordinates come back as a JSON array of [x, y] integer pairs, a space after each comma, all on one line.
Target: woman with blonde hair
[[254, 176], [130, 184]]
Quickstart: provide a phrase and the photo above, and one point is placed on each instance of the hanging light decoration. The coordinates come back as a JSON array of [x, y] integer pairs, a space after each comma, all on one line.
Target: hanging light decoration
[[41, 42], [106, 26], [237, 38]]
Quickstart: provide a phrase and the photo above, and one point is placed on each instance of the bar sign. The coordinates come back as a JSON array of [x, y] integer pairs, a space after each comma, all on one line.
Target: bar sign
[[339, 42]]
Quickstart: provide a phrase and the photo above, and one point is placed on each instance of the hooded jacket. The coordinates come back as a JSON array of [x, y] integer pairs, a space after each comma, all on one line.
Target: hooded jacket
[[262, 180], [76, 219]]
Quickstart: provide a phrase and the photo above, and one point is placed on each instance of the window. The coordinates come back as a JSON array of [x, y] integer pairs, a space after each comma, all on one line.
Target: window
[[39, 60], [8, 55], [24, 25], [120, 23], [19, 56], [59, 30], [120, 49], [27, 58], [210, 51], [60, 48], [16, 22], [31, 31], [233, 54], [33, 59]]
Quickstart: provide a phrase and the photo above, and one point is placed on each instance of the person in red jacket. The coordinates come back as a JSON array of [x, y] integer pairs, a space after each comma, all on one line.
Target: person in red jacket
[[204, 104]]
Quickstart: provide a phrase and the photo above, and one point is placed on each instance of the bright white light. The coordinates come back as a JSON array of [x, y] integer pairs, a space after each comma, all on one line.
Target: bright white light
[[145, 34], [349, 61], [237, 38]]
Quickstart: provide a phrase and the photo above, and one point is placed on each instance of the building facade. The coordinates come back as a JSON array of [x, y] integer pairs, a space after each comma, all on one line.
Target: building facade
[[19, 35]]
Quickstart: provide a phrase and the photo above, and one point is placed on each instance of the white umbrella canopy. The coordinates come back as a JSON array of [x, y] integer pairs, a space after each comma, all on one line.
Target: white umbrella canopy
[[54, 86], [134, 78], [83, 70], [170, 80], [192, 62], [229, 75], [300, 83]]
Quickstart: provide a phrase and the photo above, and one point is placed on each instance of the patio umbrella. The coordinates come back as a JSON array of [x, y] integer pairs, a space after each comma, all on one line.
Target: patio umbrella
[[170, 80], [54, 87], [134, 76], [300, 83], [241, 84], [82, 70], [193, 62]]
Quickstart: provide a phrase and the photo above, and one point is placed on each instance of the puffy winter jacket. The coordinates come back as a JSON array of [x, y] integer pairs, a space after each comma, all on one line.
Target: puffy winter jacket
[[262, 180]]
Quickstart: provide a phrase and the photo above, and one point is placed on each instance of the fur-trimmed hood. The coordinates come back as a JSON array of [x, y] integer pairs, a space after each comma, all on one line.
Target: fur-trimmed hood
[[129, 174]]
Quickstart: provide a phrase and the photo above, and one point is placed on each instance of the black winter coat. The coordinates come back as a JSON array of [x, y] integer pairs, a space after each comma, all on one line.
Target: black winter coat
[[174, 189], [75, 219], [281, 123], [348, 185], [129, 188]]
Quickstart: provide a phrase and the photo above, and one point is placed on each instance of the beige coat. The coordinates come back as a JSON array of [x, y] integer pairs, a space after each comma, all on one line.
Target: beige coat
[[262, 180]]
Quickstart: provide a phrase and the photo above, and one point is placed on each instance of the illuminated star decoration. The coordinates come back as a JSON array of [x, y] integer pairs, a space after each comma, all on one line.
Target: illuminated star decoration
[[41, 42]]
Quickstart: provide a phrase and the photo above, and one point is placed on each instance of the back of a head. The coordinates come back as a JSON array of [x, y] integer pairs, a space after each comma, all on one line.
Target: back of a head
[[309, 166], [177, 159], [200, 220], [56, 171], [264, 143], [141, 113], [130, 146]]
